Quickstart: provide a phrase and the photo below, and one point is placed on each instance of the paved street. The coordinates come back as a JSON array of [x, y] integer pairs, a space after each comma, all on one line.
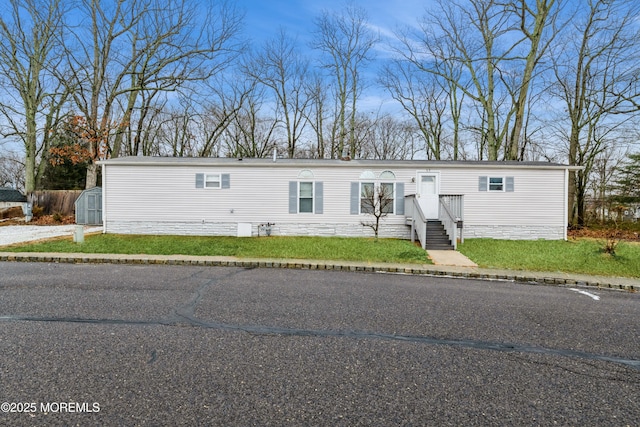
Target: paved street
[[95, 344]]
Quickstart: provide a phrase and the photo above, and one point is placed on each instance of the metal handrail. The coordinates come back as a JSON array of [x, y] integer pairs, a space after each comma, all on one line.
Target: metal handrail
[[450, 223], [418, 227], [450, 216]]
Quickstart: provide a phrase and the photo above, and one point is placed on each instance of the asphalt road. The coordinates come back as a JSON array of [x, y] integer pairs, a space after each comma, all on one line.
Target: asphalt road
[[176, 345]]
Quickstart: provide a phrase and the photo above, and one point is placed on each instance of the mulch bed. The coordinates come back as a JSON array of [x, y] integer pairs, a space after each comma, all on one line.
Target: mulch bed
[[41, 220], [604, 233]]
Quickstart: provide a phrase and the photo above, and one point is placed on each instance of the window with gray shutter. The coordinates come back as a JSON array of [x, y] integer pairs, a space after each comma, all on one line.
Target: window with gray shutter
[[399, 198], [318, 197], [226, 180], [199, 180], [509, 185], [293, 197], [355, 198], [482, 183]]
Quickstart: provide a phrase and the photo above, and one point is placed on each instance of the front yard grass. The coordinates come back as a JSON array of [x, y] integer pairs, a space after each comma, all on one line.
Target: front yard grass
[[320, 248], [583, 256]]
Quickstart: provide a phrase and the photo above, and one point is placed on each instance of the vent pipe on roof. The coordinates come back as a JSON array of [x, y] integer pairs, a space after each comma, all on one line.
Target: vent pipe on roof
[[275, 153]]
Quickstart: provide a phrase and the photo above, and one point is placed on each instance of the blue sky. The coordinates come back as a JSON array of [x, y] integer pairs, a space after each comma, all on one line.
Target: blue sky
[[264, 17]]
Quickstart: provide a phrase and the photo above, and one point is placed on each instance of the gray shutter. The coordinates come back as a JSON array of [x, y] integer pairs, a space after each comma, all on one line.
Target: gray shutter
[[293, 197], [318, 194], [482, 183], [199, 180], [226, 180], [509, 186], [399, 198], [355, 198]]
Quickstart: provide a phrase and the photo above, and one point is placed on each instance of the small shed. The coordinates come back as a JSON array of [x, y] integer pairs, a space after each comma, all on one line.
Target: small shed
[[89, 207], [10, 198]]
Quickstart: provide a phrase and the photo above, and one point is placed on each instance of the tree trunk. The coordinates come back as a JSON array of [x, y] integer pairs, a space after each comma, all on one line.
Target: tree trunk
[[92, 176]]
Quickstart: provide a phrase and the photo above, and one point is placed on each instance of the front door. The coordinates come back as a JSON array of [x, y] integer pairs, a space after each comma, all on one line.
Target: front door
[[428, 197]]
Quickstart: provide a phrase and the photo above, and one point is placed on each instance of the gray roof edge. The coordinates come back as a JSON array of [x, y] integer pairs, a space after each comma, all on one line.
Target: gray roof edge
[[12, 195], [239, 162]]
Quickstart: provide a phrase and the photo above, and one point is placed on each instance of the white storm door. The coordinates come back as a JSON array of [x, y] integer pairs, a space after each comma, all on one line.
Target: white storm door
[[428, 197]]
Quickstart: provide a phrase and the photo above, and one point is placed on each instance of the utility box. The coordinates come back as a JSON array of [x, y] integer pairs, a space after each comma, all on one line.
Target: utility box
[[244, 229], [89, 207]]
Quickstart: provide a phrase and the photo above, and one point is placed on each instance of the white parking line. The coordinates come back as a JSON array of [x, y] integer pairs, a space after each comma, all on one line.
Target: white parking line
[[589, 294]]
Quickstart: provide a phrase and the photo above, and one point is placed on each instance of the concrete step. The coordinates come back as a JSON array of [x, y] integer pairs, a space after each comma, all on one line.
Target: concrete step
[[439, 247]]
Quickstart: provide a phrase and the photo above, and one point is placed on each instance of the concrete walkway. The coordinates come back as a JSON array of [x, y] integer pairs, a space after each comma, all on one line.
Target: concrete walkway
[[452, 258], [11, 234], [532, 277]]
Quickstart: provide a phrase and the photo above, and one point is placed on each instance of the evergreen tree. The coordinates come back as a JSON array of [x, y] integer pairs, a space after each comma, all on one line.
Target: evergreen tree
[[627, 186]]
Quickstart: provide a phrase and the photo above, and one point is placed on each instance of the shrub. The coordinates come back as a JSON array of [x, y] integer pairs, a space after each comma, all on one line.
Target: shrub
[[37, 211]]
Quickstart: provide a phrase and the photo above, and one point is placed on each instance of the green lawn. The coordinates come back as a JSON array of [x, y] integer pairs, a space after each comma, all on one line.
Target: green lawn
[[326, 248], [575, 256]]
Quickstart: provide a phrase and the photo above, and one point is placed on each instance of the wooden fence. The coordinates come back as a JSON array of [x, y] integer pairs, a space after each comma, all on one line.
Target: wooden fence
[[55, 201]]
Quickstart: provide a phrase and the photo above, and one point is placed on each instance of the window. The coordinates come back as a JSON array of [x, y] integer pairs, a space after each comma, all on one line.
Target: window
[[387, 175], [387, 197], [496, 184], [368, 175], [305, 197], [306, 174], [367, 197], [376, 196], [212, 180], [379, 192]]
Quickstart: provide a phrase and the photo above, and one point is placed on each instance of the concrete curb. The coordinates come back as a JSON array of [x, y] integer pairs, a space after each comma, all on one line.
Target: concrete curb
[[539, 278]]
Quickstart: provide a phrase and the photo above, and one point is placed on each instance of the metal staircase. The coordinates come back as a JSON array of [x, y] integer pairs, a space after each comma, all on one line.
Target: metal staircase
[[437, 238], [436, 234]]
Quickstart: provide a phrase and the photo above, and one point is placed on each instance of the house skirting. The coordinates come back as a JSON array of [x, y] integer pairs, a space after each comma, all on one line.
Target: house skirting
[[398, 231], [513, 232]]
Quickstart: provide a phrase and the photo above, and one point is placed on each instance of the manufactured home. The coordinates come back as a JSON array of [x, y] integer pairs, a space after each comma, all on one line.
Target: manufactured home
[[257, 197]]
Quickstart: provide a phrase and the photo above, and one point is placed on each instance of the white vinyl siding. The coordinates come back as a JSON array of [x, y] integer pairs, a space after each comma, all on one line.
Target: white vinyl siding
[[168, 193], [532, 203]]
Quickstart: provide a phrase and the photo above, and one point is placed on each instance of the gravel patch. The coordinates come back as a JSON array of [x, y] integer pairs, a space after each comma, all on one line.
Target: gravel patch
[[11, 234]]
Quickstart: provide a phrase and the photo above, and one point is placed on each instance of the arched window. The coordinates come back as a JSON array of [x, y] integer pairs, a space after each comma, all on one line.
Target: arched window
[[305, 174], [387, 175], [367, 175]]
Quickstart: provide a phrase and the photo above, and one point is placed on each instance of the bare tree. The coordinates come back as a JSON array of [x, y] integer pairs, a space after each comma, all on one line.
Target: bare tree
[[346, 41], [593, 77], [535, 18], [32, 100], [12, 171], [423, 99], [487, 50], [250, 134], [317, 117], [167, 46], [281, 68], [376, 200]]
